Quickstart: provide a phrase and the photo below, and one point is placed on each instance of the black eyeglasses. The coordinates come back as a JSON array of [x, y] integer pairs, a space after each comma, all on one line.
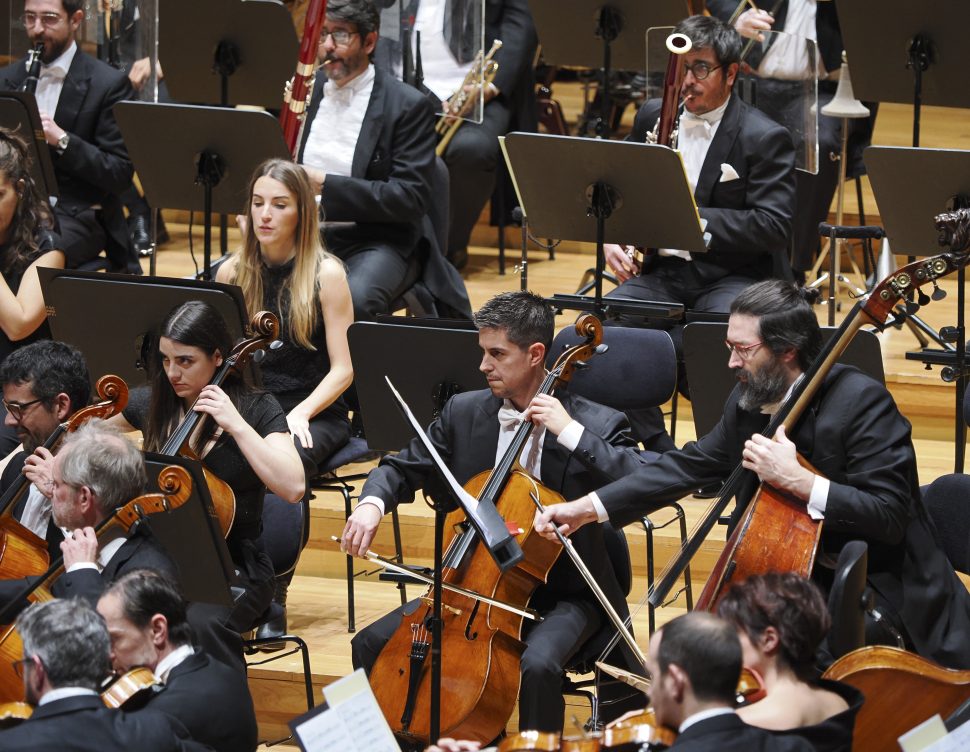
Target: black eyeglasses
[[700, 69], [339, 36], [19, 666], [17, 409], [47, 20]]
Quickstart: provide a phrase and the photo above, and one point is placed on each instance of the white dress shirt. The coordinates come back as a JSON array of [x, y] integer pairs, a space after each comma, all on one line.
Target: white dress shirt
[[37, 512], [170, 661], [64, 693], [442, 73], [51, 80], [105, 553], [335, 129], [702, 716], [787, 58]]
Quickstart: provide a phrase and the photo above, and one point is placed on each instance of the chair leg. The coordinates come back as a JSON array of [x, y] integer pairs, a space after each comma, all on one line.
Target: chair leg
[[648, 530], [688, 586], [398, 552], [351, 621], [304, 651]]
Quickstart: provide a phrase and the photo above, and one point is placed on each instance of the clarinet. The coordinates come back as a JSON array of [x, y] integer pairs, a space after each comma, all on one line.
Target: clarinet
[[33, 69]]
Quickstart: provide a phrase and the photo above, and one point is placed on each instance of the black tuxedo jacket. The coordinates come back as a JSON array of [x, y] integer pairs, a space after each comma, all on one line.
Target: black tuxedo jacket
[[854, 436], [212, 701], [728, 733], [95, 168], [85, 724], [387, 194], [749, 218], [466, 436], [13, 473]]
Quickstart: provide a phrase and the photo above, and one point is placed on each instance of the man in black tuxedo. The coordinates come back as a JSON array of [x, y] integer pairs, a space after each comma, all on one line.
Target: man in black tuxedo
[[695, 663], [368, 147], [147, 622], [779, 75], [76, 94], [65, 660], [44, 384], [577, 445], [861, 447]]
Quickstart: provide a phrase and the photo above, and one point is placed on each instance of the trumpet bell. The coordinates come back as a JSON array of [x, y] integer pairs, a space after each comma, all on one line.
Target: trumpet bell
[[844, 104]]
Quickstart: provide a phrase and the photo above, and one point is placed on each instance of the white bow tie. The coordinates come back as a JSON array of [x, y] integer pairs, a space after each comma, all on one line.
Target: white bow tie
[[508, 417], [52, 71], [690, 121], [343, 95]]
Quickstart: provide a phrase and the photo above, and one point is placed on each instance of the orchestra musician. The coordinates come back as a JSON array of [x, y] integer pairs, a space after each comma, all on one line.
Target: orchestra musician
[[76, 94], [740, 165], [147, 622], [44, 384], [694, 662], [865, 485], [247, 444], [782, 619], [284, 269], [577, 445], [65, 659]]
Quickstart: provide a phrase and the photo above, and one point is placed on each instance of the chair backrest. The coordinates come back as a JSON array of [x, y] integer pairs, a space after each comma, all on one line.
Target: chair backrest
[[639, 368], [947, 499], [711, 381], [846, 605]]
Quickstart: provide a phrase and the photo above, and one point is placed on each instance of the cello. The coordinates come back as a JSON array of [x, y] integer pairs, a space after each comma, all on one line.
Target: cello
[[266, 330], [481, 645], [775, 532], [176, 488]]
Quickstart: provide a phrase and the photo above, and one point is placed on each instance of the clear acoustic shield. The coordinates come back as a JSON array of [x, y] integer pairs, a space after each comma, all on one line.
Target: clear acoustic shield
[[439, 47], [779, 76]]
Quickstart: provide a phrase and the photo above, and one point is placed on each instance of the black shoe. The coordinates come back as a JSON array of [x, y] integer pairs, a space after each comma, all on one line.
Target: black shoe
[[141, 238], [273, 628]]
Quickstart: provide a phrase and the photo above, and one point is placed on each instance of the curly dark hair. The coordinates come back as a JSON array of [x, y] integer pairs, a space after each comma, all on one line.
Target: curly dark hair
[[791, 604], [32, 212]]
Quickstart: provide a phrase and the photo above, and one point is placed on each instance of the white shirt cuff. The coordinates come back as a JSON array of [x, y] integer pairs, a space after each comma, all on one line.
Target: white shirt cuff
[[81, 565], [376, 501], [601, 514], [818, 498], [571, 435]]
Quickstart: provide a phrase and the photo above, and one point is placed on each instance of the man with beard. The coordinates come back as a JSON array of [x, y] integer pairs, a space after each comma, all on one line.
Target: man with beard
[[76, 95], [864, 485], [44, 384]]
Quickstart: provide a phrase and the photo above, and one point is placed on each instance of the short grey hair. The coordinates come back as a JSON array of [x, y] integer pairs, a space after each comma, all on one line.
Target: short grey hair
[[71, 640], [97, 456]]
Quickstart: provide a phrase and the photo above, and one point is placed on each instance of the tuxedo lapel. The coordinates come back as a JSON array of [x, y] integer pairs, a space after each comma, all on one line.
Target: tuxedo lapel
[[370, 129], [71, 101], [717, 153], [15, 78]]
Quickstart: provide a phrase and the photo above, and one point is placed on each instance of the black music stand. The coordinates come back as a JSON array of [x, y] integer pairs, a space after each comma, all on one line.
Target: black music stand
[[911, 187], [114, 318], [592, 190], [18, 113], [207, 45], [198, 158], [449, 359], [915, 56], [617, 27], [449, 364], [192, 537]]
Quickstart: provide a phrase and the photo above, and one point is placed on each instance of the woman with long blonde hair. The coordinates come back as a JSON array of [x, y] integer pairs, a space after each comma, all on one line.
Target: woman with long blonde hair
[[284, 268]]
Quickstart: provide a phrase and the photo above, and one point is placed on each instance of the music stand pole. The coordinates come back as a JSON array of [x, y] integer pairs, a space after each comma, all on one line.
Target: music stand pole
[[919, 61], [608, 27]]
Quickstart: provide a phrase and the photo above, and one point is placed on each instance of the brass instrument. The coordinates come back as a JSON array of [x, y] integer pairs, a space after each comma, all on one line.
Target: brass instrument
[[33, 69], [484, 69]]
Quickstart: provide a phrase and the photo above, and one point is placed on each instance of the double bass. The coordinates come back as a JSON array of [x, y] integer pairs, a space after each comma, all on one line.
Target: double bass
[[481, 640], [776, 533]]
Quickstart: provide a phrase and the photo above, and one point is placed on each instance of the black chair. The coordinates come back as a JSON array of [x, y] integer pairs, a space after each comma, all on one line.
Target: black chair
[[848, 602], [638, 370], [355, 450], [947, 499]]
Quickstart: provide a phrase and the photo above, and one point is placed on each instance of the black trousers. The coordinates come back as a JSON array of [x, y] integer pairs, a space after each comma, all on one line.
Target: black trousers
[[550, 645], [377, 276]]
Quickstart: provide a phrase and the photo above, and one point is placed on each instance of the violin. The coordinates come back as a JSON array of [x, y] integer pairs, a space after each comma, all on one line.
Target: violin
[[481, 645], [266, 331], [775, 532], [113, 392], [130, 690], [176, 487], [902, 690]]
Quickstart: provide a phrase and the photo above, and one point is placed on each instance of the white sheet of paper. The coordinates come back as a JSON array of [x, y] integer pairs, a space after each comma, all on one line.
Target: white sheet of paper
[[353, 723], [957, 740], [921, 737]]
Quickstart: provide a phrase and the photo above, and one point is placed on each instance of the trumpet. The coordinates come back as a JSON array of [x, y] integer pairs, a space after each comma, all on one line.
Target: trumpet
[[484, 68]]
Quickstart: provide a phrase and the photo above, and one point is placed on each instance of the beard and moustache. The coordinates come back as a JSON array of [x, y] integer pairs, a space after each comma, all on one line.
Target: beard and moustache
[[763, 387]]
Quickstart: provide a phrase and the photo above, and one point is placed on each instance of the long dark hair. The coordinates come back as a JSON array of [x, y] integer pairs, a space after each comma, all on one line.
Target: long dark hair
[[32, 211], [196, 324]]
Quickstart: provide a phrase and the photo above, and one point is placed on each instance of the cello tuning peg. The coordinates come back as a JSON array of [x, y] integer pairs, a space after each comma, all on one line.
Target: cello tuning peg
[[938, 292], [922, 298], [276, 344], [602, 348], [912, 307]]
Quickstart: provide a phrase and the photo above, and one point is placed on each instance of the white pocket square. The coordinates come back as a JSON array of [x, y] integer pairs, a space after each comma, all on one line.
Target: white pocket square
[[728, 173]]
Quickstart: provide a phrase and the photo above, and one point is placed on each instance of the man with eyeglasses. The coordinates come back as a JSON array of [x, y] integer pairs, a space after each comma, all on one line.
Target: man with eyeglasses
[[864, 484], [44, 384], [368, 147], [76, 94], [741, 168], [65, 660]]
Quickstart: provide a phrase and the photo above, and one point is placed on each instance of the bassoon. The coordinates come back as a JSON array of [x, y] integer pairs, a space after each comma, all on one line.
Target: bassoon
[[299, 88]]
